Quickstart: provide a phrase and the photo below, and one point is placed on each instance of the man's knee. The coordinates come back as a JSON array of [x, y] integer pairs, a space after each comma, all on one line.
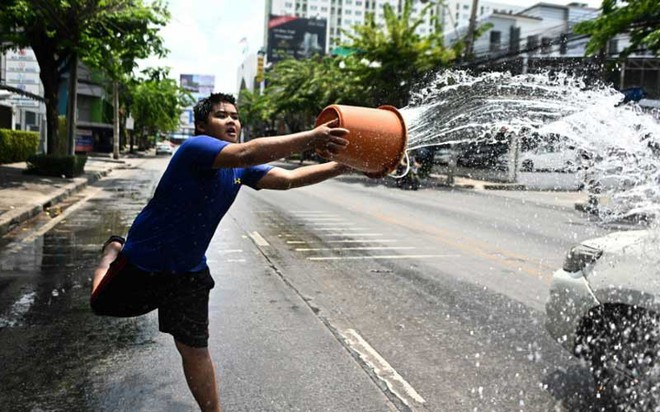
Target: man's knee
[[191, 352]]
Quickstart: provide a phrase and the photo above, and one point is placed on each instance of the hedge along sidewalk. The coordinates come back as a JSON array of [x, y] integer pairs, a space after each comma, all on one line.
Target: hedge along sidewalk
[[23, 196]]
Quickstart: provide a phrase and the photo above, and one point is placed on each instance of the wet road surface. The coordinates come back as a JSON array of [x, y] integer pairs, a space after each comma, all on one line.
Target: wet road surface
[[293, 314], [49, 337]]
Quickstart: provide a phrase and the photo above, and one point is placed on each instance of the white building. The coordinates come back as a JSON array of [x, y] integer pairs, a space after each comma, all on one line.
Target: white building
[[20, 71], [542, 29], [456, 13], [343, 14]]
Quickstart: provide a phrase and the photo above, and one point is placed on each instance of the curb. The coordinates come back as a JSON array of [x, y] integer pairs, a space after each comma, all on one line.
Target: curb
[[12, 219]]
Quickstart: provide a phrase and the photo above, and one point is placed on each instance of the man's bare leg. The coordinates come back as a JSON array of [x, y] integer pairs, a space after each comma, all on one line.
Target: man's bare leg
[[110, 253], [200, 375]]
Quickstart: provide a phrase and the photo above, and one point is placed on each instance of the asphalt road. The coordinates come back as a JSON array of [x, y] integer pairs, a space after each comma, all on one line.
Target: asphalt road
[[343, 296]]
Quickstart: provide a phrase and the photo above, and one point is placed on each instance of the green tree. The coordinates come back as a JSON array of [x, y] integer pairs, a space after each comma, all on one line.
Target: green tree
[[155, 101], [256, 113], [105, 33], [299, 89], [394, 57], [639, 18]]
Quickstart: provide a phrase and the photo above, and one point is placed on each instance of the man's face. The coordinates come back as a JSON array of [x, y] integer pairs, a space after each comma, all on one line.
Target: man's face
[[222, 123]]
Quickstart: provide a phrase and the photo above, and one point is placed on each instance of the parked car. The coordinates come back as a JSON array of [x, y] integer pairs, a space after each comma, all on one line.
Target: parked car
[[164, 148], [549, 159], [481, 155], [604, 307], [443, 156]]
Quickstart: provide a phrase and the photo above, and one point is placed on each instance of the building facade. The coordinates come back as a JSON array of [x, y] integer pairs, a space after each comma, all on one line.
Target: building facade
[[342, 15]]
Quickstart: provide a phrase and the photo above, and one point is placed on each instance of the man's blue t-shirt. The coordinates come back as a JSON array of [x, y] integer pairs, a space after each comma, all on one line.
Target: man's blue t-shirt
[[172, 233]]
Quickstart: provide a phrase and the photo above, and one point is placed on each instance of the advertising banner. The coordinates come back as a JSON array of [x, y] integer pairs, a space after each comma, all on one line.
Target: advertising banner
[[84, 141], [22, 72], [199, 85], [295, 37]]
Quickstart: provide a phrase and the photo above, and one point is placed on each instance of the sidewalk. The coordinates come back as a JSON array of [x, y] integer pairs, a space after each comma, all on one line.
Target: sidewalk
[[551, 198], [24, 196]]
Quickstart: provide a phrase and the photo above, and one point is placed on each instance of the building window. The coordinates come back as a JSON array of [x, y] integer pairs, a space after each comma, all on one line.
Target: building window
[[532, 43], [613, 46], [546, 45], [495, 40], [563, 43]]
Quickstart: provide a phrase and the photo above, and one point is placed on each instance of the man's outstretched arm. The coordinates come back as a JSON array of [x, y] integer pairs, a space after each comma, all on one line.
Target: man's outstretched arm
[[327, 139], [283, 179]]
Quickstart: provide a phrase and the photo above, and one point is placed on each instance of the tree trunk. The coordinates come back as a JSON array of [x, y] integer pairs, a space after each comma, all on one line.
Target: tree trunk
[[72, 105], [49, 76], [115, 121]]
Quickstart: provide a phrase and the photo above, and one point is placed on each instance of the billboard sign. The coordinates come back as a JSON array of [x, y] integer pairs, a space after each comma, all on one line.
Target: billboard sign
[[22, 72], [295, 37], [199, 85], [84, 141]]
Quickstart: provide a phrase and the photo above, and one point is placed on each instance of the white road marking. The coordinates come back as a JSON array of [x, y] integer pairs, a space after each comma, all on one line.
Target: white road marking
[[236, 260], [48, 226], [295, 242], [322, 219], [383, 370], [328, 224], [353, 234], [258, 239], [231, 251], [362, 241], [343, 228], [356, 248], [381, 257]]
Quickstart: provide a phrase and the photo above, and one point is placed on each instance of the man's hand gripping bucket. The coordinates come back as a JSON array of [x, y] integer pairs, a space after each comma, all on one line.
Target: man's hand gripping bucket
[[377, 140]]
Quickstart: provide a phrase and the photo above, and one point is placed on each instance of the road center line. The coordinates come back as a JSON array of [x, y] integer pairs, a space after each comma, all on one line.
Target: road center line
[[338, 229], [381, 257], [352, 234], [383, 370], [356, 248], [323, 219], [258, 239], [362, 241]]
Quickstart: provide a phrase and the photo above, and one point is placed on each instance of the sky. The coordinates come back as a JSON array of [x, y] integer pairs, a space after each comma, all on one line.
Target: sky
[[204, 37]]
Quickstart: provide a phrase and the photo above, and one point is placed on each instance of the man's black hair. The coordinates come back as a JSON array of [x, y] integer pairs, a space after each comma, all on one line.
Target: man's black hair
[[203, 108]]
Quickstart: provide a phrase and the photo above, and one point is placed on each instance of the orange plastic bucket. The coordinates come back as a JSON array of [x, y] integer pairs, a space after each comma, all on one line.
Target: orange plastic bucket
[[377, 138]]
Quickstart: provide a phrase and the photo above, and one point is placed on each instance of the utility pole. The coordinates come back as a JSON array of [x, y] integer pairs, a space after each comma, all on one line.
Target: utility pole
[[115, 123], [72, 104], [469, 42]]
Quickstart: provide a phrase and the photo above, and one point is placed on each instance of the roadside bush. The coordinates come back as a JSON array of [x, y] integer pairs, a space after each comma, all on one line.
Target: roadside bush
[[56, 165], [17, 145]]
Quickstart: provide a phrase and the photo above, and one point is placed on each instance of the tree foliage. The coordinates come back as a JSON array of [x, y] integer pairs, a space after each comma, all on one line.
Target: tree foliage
[[639, 18], [299, 89], [107, 34], [396, 56], [155, 101], [384, 65]]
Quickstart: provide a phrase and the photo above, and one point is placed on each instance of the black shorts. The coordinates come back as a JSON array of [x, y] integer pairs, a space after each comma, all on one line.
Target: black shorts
[[182, 299]]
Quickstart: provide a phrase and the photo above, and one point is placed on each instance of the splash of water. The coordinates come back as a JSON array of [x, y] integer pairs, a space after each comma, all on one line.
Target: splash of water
[[617, 146]]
